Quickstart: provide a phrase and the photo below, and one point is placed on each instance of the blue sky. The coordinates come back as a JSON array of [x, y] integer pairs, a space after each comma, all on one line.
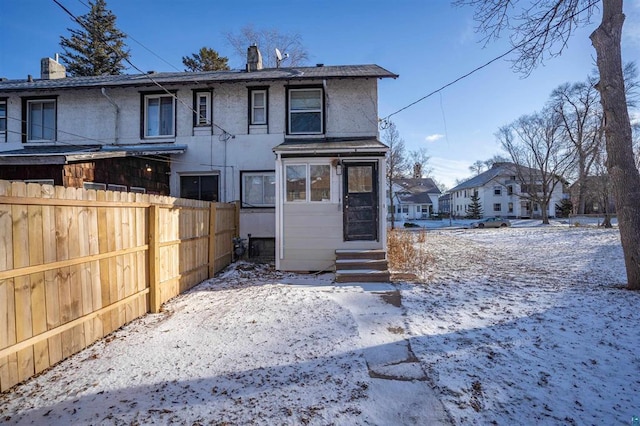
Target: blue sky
[[427, 42]]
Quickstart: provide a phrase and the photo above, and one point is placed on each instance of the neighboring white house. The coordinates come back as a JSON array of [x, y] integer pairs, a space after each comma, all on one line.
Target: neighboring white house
[[501, 193], [415, 198], [298, 147]]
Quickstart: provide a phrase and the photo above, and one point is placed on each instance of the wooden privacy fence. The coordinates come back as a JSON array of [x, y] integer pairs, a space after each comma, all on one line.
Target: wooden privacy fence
[[77, 264]]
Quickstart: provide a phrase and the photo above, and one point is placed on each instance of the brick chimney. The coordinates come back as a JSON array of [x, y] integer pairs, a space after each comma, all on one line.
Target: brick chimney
[[51, 69], [254, 59]]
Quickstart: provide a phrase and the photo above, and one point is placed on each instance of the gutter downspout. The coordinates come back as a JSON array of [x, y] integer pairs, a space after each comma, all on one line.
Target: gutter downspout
[[279, 213], [117, 129]]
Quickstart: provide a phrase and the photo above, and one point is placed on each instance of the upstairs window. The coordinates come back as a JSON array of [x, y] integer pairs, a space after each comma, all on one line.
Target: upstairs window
[[305, 111], [258, 110], [41, 120], [159, 116], [497, 190], [3, 120], [202, 107]]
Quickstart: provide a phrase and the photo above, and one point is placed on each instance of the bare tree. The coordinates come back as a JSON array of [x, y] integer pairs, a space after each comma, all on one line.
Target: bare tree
[[541, 29], [495, 160], [578, 106], [268, 40], [419, 161], [540, 156], [477, 167], [396, 163]]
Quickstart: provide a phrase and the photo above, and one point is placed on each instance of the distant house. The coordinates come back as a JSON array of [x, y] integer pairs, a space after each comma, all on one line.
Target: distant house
[[598, 195], [444, 204], [502, 193], [415, 198], [297, 147]]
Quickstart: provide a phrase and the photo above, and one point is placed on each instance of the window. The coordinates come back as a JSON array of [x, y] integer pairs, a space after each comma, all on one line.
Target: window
[[202, 108], [258, 109], [308, 182], [510, 190], [159, 115], [497, 207], [405, 209], [95, 185], [510, 207], [117, 188], [3, 120], [41, 120], [497, 190], [199, 187], [305, 111], [258, 189]]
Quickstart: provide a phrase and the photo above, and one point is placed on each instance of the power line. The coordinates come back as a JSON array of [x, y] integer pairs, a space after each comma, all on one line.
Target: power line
[[226, 134], [385, 121]]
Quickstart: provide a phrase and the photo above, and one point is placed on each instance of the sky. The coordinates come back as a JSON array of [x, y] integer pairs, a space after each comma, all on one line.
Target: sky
[[428, 43]]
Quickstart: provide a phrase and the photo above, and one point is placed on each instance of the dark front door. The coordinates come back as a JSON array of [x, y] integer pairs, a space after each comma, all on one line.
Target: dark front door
[[360, 201]]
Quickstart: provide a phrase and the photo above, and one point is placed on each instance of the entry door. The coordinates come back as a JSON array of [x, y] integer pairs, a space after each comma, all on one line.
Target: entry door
[[360, 201]]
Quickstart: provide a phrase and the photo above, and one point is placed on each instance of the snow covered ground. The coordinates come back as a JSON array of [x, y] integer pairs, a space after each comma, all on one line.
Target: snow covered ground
[[526, 325]]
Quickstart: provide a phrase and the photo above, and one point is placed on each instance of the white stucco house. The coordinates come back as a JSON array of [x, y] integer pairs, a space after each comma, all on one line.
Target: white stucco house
[[415, 198], [297, 147], [502, 193]]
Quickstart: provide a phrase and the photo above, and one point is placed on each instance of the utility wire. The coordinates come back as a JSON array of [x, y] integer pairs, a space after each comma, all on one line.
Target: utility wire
[[385, 121], [226, 134]]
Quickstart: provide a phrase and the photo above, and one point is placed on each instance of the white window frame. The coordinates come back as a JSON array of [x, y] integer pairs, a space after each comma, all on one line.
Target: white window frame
[[3, 119], [497, 207], [149, 97], [30, 104], [319, 110], [255, 107], [497, 191], [203, 119], [308, 183], [262, 175]]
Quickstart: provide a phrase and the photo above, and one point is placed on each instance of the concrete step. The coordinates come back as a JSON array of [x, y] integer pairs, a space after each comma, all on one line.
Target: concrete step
[[362, 275], [360, 254], [347, 264]]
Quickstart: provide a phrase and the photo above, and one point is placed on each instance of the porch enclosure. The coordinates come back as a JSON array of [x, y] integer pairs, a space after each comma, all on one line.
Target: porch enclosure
[[77, 264]]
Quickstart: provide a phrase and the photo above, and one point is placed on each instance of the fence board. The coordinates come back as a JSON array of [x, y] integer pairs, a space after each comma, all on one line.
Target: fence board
[[38, 302], [52, 296], [8, 364], [62, 278], [103, 244], [22, 290]]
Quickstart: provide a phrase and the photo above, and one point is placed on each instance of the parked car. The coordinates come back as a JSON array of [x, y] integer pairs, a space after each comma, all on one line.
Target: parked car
[[491, 222]]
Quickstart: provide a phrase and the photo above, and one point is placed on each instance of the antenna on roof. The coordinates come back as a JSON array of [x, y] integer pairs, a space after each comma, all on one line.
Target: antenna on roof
[[280, 58]]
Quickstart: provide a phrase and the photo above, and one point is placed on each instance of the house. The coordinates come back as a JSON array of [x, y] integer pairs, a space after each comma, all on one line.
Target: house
[[298, 148], [415, 198], [502, 192], [444, 204], [597, 196]]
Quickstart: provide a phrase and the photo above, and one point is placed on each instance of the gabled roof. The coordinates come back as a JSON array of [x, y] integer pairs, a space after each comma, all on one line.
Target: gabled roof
[[197, 78], [416, 190], [498, 169], [418, 185]]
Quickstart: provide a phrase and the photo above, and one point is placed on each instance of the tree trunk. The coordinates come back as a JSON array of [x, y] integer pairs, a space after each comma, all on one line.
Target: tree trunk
[[624, 175]]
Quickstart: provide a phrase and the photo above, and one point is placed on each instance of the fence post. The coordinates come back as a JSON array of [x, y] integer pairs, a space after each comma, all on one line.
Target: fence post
[[154, 258], [212, 239], [236, 232]]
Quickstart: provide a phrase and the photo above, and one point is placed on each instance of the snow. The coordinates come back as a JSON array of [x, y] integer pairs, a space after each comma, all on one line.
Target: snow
[[525, 325]]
